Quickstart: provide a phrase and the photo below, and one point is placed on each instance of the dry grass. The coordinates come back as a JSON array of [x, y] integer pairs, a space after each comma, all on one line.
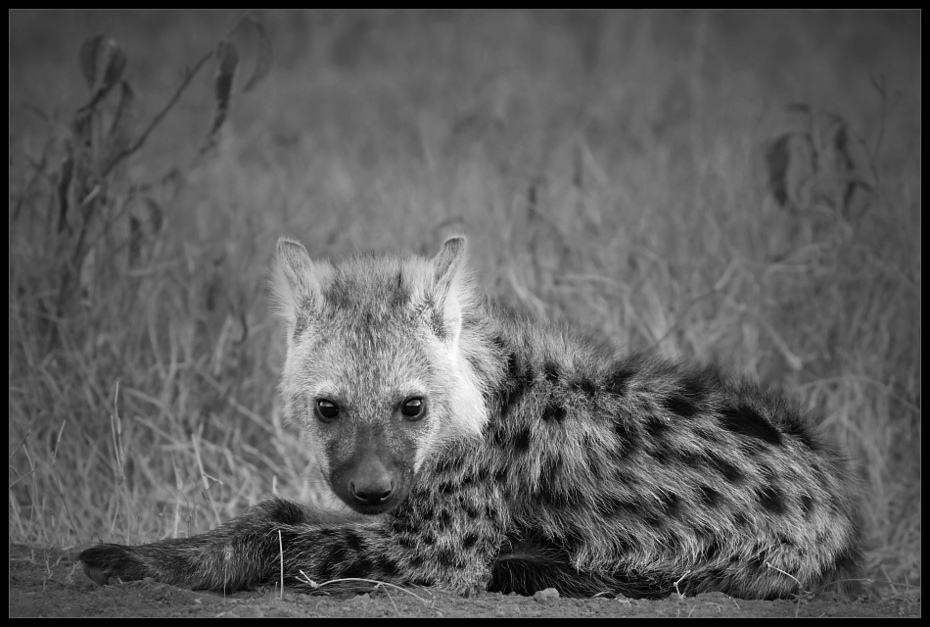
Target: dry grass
[[609, 167]]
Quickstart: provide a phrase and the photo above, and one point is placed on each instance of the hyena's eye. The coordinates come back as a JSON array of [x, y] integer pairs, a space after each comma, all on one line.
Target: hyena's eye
[[326, 410], [413, 408]]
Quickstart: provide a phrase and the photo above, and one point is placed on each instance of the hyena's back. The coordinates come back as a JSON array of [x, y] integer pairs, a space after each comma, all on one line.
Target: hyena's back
[[489, 451]]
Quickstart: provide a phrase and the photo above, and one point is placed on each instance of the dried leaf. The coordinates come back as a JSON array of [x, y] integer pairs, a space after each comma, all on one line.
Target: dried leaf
[[264, 58], [102, 63], [115, 60], [227, 60], [87, 58]]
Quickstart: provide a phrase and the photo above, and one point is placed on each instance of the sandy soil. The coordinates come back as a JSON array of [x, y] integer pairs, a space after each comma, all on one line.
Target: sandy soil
[[50, 582]]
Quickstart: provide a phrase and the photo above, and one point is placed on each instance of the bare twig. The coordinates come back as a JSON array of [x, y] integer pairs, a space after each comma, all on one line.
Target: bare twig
[[188, 76]]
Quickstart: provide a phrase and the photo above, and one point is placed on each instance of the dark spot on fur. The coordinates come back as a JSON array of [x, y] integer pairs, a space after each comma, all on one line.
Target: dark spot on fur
[[327, 534], [795, 427], [680, 406], [498, 341], [584, 385], [519, 370], [553, 411], [353, 540], [510, 399], [744, 420], [387, 566], [363, 567], [709, 496], [625, 435], [771, 499], [707, 539], [662, 454], [807, 505], [521, 439], [551, 372], [338, 293], [651, 519], [428, 538], [498, 435], [519, 378], [629, 510], [713, 437], [551, 468], [470, 540], [336, 555], [692, 460], [656, 427], [448, 464], [785, 540], [285, 512], [618, 379], [501, 475], [740, 520], [559, 497], [695, 384], [730, 472]]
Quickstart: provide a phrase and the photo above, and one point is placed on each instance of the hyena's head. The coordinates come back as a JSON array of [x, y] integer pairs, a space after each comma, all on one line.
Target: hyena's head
[[375, 373]]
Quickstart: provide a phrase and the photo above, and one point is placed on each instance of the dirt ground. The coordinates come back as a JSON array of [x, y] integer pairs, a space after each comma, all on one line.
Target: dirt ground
[[51, 583]]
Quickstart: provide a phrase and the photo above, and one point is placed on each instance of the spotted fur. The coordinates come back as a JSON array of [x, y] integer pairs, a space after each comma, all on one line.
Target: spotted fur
[[481, 449]]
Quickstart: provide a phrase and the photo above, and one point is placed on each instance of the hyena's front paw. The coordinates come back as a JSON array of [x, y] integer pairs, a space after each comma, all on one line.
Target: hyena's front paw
[[104, 561]]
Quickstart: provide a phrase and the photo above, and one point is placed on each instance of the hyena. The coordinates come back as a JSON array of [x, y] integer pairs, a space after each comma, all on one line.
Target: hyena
[[483, 450]]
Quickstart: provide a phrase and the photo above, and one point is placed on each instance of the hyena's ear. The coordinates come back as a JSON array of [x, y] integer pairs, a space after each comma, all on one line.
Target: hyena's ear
[[296, 284], [451, 292]]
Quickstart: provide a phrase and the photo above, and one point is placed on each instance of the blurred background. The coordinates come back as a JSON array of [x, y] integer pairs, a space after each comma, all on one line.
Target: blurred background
[[732, 187]]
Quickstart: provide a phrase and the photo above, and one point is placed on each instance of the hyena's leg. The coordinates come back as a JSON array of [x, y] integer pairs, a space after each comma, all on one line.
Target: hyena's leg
[[238, 554], [400, 549]]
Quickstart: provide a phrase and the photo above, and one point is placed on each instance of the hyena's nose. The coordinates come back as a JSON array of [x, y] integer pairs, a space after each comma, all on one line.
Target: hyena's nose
[[372, 483], [373, 492]]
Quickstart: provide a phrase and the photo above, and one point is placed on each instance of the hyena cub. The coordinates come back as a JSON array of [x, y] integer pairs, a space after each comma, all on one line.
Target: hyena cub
[[487, 451]]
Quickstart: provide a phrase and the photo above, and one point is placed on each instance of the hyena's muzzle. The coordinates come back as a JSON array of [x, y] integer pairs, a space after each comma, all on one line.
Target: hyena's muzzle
[[375, 477]]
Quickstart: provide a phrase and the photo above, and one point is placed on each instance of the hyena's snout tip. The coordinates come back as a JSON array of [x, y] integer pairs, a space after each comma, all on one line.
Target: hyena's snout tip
[[373, 492], [371, 486]]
